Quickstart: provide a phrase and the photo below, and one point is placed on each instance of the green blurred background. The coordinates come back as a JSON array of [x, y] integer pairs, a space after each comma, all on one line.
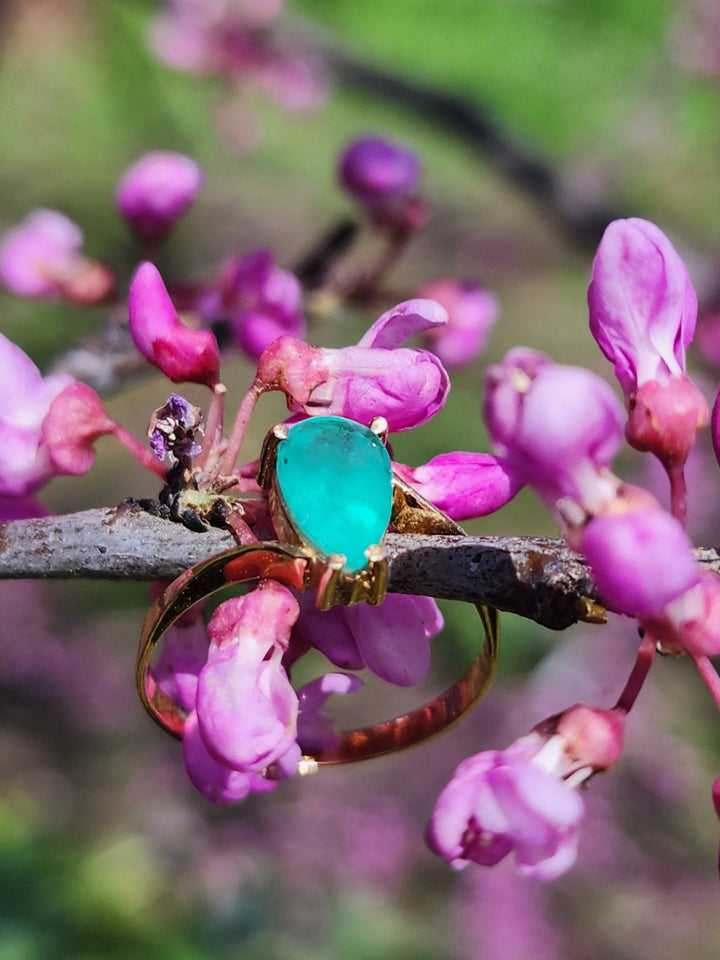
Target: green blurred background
[[104, 851]]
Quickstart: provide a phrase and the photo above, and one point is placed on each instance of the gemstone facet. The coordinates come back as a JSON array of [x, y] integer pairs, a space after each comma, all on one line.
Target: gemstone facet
[[335, 480]]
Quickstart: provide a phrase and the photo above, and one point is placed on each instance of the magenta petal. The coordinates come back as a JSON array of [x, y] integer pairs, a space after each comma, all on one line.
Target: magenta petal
[[643, 308], [329, 631], [404, 321], [544, 814], [456, 805], [463, 484], [556, 427], [498, 802], [641, 560], [405, 386], [219, 783], [22, 508], [183, 355], [472, 312], [157, 189], [183, 656], [36, 254], [75, 420], [376, 170], [393, 638], [316, 729], [247, 708], [25, 398]]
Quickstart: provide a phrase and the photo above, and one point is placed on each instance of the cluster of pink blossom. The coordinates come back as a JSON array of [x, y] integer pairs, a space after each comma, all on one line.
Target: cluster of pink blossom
[[553, 427], [235, 40]]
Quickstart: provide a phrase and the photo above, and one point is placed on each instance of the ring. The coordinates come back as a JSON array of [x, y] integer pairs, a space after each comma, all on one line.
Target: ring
[[305, 559]]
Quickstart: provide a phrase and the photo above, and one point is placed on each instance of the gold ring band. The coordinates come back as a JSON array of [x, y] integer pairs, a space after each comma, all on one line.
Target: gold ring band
[[292, 566]]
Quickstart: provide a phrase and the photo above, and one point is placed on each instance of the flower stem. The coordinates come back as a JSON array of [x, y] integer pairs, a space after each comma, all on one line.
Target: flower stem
[[242, 417], [710, 677], [639, 672], [213, 424], [678, 492], [141, 453]]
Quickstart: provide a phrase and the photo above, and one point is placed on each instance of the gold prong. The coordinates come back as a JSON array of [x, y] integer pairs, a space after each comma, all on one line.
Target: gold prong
[[380, 427], [378, 570], [330, 581], [268, 454]]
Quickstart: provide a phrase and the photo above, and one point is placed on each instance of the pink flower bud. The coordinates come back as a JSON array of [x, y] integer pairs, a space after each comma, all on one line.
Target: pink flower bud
[[156, 190], [556, 427], [372, 379], [592, 738], [183, 355], [462, 484], [641, 559], [262, 301], [382, 177], [472, 312], [41, 258], [642, 305], [665, 418], [643, 311]]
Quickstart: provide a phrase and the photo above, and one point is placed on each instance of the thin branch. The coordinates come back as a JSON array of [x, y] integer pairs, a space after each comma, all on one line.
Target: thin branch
[[538, 578]]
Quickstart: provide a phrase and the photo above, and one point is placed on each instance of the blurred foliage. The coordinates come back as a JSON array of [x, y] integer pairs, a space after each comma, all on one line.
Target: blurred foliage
[[592, 88]]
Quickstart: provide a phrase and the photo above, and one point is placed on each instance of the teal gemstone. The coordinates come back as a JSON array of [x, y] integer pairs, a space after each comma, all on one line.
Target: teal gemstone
[[335, 479]]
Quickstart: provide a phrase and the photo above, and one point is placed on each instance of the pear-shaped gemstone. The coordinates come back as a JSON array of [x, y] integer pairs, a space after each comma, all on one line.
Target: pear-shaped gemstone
[[335, 479]]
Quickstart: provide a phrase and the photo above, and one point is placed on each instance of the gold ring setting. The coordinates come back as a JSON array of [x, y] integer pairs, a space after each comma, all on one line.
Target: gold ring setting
[[332, 497]]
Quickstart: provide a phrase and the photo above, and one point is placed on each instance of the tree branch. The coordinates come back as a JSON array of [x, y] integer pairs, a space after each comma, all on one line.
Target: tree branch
[[538, 578]]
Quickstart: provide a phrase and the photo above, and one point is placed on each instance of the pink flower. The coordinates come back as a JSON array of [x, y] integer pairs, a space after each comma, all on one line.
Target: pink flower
[[183, 355], [502, 802], [74, 422], [523, 799], [640, 557], [374, 378], [643, 311], [41, 259], [262, 301], [383, 178], [156, 190], [220, 37], [25, 398], [391, 640], [247, 709], [463, 484], [473, 312], [555, 427]]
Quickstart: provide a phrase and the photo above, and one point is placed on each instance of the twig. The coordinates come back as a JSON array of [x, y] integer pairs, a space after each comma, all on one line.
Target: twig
[[537, 578]]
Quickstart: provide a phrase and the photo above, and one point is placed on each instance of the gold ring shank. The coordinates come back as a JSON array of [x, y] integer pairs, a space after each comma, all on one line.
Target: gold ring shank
[[294, 567]]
